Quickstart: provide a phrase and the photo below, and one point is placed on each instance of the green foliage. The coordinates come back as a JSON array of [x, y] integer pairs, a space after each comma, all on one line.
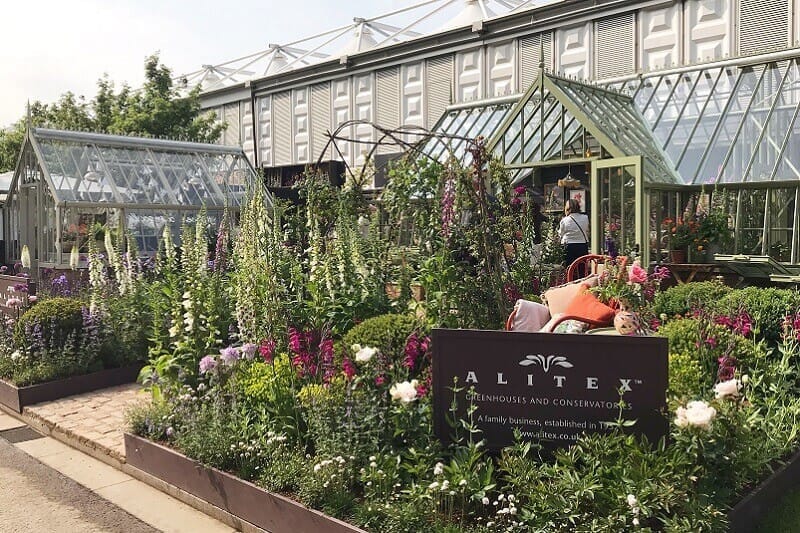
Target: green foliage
[[687, 376], [56, 318], [768, 307], [683, 299], [706, 342], [158, 109], [387, 333]]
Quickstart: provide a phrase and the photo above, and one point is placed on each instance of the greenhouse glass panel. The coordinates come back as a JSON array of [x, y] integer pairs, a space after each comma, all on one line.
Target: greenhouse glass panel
[[750, 219], [70, 187], [778, 130]]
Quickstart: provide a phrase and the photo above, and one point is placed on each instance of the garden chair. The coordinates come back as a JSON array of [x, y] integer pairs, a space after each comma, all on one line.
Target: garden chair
[[592, 263]]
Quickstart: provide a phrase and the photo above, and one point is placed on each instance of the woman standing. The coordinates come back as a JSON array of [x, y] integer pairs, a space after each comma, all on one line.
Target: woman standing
[[574, 233]]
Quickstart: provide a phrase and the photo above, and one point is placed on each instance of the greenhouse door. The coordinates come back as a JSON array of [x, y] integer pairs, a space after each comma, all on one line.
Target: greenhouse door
[[618, 206], [28, 214]]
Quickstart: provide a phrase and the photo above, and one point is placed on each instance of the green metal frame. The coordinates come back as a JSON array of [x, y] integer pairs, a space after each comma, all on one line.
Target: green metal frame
[[640, 221]]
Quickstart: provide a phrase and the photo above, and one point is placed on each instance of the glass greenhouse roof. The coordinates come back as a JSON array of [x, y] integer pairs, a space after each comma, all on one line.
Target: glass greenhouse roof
[[719, 124], [87, 168], [726, 123], [551, 122]]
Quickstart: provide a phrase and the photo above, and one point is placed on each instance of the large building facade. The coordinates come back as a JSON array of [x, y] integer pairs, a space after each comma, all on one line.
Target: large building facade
[[702, 92]]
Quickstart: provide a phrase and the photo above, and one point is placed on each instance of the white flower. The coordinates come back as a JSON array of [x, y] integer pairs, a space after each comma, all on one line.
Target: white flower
[[485, 501], [745, 379], [365, 354], [433, 485], [696, 413], [405, 391], [355, 347], [632, 501], [635, 521], [373, 464], [727, 389], [462, 482], [438, 469], [16, 355]]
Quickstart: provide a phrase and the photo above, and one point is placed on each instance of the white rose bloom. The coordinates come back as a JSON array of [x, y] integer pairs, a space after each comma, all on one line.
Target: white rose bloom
[[632, 500], [438, 469], [697, 413], [727, 389], [405, 391], [365, 354]]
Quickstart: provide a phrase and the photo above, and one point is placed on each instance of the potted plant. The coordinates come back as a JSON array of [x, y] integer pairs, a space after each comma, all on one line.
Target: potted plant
[[679, 235]]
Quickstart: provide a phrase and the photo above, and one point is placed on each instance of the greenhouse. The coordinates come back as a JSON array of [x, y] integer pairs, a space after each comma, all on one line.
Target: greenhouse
[[70, 187], [655, 148]]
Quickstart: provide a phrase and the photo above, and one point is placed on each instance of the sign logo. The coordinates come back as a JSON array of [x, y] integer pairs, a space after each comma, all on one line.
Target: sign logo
[[546, 362]]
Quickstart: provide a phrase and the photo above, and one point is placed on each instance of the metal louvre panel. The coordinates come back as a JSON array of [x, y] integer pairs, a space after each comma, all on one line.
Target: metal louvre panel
[[282, 139], [320, 118], [614, 46], [387, 112], [763, 25], [530, 54], [438, 78], [231, 116], [248, 134]]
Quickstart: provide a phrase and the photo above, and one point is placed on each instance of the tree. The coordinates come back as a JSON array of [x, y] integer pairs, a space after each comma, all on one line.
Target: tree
[[158, 109]]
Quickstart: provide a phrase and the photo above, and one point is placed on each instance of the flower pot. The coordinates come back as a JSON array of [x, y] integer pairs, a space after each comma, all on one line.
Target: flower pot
[[677, 256]]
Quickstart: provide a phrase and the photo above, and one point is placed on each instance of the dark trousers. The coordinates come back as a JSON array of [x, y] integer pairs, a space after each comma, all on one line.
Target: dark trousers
[[574, 251]]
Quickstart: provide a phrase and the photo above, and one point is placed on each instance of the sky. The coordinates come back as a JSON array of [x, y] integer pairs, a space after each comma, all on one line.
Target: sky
[[48, 47]]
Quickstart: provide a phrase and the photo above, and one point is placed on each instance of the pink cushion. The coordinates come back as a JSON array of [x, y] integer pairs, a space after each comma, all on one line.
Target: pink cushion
[[529, 316], [559, 298]]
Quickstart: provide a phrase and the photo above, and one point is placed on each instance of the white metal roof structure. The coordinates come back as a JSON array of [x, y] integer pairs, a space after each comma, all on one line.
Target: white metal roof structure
[[363, 34]]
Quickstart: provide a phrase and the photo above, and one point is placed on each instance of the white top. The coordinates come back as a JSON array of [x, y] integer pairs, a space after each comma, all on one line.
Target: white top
[[569, 229]]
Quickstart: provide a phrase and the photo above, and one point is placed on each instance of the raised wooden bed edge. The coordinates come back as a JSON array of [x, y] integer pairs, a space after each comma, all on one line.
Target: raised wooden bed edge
[[17, 398], [263, 509], [748, 514], [278, 514]]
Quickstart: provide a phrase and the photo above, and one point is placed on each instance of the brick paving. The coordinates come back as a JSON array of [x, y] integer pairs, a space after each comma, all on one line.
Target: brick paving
[[95, 419]]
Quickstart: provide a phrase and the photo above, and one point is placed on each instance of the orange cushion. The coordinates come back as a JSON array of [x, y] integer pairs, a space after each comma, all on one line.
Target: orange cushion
[[586, 305], [559, 298]]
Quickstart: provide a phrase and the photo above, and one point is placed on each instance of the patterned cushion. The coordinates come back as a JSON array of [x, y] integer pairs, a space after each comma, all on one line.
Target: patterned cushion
[[572, 326]]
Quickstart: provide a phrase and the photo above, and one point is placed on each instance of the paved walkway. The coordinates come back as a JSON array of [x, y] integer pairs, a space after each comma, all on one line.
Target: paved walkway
[[95, 419], [46, 485]]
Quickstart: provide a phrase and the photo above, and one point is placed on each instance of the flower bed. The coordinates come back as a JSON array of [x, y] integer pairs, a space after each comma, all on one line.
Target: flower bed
[[17, 398], [272, 512]]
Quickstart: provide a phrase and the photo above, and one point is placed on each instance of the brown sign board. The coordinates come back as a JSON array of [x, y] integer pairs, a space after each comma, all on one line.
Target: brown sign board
[[551, 387]]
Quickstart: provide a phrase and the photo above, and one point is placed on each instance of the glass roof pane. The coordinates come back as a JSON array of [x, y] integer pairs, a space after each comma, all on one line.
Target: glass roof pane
[[88, 167], [615, 115]]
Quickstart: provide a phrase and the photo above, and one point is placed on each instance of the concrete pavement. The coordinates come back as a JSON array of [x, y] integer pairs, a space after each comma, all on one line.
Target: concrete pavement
[[47, 486]]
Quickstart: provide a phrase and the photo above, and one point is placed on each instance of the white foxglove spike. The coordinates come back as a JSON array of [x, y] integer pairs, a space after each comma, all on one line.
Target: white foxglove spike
[[25, 257], [74, 257]]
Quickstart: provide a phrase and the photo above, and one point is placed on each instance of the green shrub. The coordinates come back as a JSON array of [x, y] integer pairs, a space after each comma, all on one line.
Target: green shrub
[[706, 342], [58, 318], [767, 307], [387, 333], [687, 377], [682, 299]]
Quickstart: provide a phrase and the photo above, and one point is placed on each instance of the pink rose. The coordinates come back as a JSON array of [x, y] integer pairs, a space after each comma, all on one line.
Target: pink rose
[[637, 274]]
